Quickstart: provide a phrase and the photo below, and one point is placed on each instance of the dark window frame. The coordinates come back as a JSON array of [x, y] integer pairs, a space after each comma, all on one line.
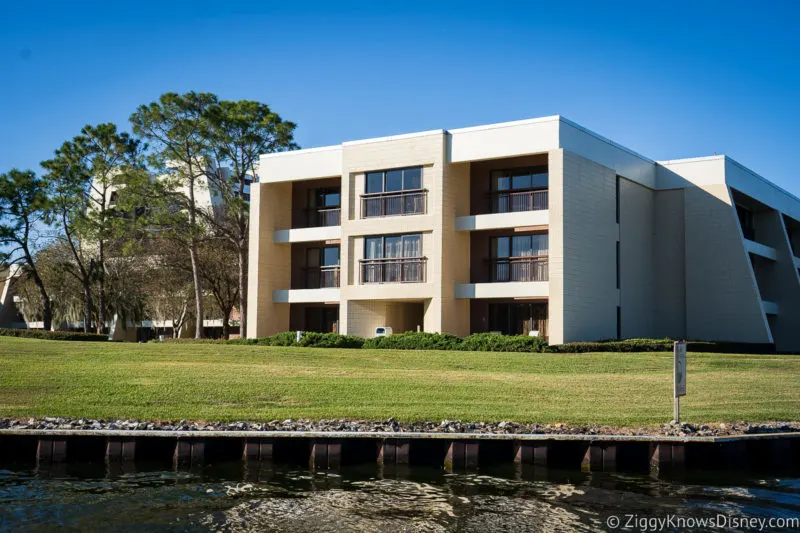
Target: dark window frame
[[384, 173]]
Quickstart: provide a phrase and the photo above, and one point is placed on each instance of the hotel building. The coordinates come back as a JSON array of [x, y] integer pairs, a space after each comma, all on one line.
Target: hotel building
[[531, 226]]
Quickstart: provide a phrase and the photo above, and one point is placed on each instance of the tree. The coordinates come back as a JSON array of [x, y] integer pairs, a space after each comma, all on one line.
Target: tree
[[23, 208], [177, 128], [220, 278], [82, 176], [239, 133]]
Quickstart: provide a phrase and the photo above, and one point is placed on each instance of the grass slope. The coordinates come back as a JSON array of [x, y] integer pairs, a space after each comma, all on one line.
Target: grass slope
[[223, 382]]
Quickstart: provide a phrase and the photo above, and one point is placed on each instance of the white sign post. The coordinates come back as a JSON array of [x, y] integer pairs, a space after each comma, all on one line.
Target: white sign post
[[679, 374]]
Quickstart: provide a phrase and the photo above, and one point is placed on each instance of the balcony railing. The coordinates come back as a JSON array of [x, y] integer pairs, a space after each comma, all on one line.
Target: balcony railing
[[398, 270], [514, 201], [519, 269], [323, 217], [384, 204], [326, 277]]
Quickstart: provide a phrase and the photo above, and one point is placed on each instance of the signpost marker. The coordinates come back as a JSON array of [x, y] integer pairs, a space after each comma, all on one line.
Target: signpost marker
[[679, 374]]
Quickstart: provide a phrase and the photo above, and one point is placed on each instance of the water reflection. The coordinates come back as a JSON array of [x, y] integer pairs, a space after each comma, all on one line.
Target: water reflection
[[229, 497]]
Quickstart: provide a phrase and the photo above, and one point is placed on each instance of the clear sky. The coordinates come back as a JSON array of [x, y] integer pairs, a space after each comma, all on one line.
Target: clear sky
[[667, 79]]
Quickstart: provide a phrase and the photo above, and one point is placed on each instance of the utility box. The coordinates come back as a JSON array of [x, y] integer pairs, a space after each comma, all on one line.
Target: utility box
[[383, 331]]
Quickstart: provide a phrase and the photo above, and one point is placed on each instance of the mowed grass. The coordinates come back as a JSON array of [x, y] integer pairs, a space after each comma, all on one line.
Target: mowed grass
[[226, 382]]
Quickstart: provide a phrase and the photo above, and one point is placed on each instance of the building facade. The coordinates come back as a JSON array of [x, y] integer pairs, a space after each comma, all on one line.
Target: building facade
[[532, 227]]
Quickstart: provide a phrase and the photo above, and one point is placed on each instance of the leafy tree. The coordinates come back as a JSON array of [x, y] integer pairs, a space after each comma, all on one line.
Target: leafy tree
[[240, 132], [82, 175], [177, 128], [23, 208]]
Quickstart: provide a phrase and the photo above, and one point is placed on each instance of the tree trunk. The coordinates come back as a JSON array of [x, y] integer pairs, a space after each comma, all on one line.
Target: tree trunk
[[101, 298], [243, 290], [87, 305], [198, 290], [47, 306], [226, 326]]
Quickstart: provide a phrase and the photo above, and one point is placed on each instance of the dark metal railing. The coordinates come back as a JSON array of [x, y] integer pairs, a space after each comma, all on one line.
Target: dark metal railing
[[514, 201], [384, 204], [397, 270], [322, 277], [519, 269], [324, 216]]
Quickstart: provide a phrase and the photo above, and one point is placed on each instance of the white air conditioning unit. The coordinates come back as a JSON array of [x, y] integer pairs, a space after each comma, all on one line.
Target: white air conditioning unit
[[383, 331]]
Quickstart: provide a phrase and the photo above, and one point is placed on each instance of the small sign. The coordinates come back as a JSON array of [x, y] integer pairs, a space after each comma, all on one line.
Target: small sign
[[680, 368]]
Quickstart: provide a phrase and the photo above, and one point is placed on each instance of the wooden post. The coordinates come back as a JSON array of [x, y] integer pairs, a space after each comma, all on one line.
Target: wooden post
[[462, 455], [51, 450], [325, 454]]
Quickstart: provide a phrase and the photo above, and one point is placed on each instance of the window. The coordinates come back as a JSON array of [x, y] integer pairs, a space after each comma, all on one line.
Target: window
[[404, 179], [327, 197], [617, 198], [519, 258], [619, 322], [324, 207], [519, 189], [322, 267], [393, 259], [393, 192], [618, 276]]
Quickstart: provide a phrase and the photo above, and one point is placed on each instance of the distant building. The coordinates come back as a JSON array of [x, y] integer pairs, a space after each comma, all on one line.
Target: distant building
[[532, 226]]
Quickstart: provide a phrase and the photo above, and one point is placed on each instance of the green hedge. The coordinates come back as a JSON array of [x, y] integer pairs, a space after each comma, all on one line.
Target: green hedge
[[415, 341], [492, 342], [52, 335], [482, 342]]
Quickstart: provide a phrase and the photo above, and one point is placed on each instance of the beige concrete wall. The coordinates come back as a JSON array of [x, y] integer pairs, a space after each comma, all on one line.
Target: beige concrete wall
[[722, 299], [637, 259], [455, 250], [583, 237], [270, 263], [366, 315], [669, 264], [427, 151]]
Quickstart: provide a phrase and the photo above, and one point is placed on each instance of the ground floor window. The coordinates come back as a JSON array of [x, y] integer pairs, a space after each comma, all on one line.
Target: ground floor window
[[518, 318], [322, 319]]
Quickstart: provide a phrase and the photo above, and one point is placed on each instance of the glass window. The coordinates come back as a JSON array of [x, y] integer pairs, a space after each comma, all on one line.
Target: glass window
[[412, 178], [393, 246], [394, 180], [501, 247], [521, 182], [521, 246], [330, 256], [412, 245], [539, 180], [374, 182], [373, 247]]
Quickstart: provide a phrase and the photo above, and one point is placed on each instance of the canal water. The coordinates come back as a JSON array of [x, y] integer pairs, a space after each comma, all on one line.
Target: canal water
[[226, 498]]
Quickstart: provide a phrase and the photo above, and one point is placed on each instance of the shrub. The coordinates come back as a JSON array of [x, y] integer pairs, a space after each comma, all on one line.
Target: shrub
[[415, 341], [330, 340], [661, 345], [52, 335], [493, 342]]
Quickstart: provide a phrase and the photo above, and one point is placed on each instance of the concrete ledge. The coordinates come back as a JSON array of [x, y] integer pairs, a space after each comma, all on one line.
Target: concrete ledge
[[503, 220], [322, 233], [508, 289], [294, 296], [388, 435], [759, 249]]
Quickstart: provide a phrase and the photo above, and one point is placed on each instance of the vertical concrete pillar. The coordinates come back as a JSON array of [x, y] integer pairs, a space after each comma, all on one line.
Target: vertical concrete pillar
[[394, 452], [51, 450], [120, 449], [666, 456], [461, 455], [599, 457], [325, 455], [188, 452], [530, 452]]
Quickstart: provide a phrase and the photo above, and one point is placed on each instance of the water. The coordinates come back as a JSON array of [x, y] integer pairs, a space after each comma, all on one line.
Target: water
[[88, 498]]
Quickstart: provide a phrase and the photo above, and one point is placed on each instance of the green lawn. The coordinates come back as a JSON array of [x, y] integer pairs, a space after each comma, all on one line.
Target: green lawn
[[226, 382]]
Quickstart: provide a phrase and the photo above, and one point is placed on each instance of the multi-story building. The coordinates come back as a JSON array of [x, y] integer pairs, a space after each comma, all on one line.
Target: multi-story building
[[532, 226]]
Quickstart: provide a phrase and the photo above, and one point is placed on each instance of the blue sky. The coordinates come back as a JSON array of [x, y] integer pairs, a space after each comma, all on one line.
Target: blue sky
[[669, 80]]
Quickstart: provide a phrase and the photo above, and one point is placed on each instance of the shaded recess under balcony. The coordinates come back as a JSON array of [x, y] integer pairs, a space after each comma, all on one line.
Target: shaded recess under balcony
[[500, 256], [316, 203], [509, 185], [315, 265], [509, 316], [322, 318]]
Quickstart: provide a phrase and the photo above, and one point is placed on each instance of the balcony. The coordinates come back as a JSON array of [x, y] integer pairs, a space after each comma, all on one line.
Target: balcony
[[397, 203], [326, 277], [324, 217], [517, 201], [394, 270], [518, 269]]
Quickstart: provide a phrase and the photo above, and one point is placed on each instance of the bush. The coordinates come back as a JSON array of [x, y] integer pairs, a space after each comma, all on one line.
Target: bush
[[415, 341], [661, 345], [493, 342], [52, 335], [330, 340]]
